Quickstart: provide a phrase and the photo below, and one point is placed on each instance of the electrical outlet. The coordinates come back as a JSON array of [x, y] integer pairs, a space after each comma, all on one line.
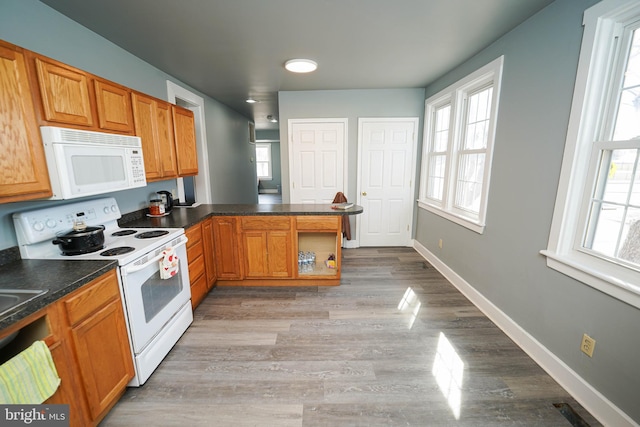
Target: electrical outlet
[[587, 345], [440, 243]]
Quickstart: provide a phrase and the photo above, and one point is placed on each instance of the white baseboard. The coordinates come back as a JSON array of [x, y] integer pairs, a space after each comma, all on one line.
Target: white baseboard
[[268, 191], [590, 398]]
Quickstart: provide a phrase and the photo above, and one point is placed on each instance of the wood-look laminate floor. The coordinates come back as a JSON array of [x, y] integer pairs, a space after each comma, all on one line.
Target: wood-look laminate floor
[[394, 344]]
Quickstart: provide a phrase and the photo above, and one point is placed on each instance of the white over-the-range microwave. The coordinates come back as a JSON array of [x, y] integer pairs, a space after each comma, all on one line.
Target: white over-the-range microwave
[[85, 163]]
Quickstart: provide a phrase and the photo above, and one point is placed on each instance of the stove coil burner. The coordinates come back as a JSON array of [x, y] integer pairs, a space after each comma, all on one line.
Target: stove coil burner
[[151, 234], [117, 251], [123, 233]]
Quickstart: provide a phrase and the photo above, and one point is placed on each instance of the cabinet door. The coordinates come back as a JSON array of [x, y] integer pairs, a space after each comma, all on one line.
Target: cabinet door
[[104, 358], [267, 254], [279, 254], [209, 252], [185, 136], [100, 342], [143, 117], [64, 93], [227, 255], [66, 394], [23, 168], [255, 254], [166, 141], [114, 107]]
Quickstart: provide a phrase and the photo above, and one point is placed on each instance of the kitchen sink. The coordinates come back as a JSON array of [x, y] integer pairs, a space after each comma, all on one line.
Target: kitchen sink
[[13, 298]]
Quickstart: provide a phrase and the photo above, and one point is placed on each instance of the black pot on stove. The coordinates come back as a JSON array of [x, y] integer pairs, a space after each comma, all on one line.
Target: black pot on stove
[[81, 240]]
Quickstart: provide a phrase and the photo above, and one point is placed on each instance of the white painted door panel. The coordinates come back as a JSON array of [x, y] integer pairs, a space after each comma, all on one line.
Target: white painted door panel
[[316, 159], [387, 166]]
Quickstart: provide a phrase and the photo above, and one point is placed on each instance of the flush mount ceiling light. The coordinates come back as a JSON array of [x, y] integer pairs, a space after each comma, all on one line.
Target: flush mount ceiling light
[[301, 65], [251, 101], [272, 119]]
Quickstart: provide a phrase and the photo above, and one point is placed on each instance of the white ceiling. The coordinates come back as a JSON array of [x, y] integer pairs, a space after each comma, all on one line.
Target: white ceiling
[[234, 49]]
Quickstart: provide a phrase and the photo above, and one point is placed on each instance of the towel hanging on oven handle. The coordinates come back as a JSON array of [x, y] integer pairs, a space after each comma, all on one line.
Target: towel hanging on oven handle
[[135, 267]]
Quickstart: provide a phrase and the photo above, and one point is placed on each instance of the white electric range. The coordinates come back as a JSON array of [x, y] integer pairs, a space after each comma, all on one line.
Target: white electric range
[[158, 310]]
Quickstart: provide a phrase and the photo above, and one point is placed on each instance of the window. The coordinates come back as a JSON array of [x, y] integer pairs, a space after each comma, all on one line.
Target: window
[[263, 161], [595, 235], [458, 146]]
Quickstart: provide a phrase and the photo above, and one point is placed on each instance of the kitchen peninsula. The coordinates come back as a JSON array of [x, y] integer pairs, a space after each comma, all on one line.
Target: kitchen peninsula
[[256, 244]]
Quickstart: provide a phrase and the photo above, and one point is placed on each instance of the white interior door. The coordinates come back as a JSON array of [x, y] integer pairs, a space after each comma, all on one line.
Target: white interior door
[[316, 159], [386, 168]]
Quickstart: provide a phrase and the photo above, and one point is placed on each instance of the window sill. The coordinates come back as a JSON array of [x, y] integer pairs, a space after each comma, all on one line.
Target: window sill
[[589, 272], [460, 220]]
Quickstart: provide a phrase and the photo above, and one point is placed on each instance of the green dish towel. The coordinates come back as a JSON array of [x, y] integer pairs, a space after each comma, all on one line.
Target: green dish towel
[[30, 377]]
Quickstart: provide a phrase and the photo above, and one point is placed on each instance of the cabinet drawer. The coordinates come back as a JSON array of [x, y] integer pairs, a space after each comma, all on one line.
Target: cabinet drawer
[[199, 290], [89, 299], [194, 235], [194, 251], [313, 222], [196, 268], [266, 223]]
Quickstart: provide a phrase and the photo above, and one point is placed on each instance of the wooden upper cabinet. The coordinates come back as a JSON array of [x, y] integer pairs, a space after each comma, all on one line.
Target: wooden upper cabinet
[[185, 135], [74, 98], [114, 107], [23, 168], [143, 117], [64, 93], [154, 125], [166, 141]]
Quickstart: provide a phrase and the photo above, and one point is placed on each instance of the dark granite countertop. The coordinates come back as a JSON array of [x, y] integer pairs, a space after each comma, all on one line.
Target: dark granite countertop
[[181, 217], [59, 278]]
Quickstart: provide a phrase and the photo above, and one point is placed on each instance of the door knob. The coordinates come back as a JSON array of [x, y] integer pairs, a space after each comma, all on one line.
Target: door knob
[[364, 193]]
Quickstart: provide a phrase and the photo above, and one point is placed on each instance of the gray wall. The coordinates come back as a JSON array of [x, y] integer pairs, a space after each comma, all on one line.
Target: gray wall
[[504, 264], [350, 104], [34, 26]]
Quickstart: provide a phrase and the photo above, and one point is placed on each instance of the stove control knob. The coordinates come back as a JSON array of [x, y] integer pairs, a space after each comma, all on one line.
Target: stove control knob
[[38, 226], [51, 223], [114, 208], [106, 209]]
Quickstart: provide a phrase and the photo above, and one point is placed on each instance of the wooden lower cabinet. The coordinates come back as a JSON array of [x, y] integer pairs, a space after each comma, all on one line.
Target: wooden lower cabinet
[[200, 256], [87, 336], [98, 341], [67, 391], [209, 251], [227, 254], [321, 236], [262, 250], [267, 247]]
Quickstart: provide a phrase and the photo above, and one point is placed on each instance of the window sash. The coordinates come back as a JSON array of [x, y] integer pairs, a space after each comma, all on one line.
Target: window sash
[[263, 161], [608, 27], [455, 175]]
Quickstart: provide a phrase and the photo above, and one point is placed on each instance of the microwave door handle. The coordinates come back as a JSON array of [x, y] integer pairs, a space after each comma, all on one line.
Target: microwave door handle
[[133, 269]]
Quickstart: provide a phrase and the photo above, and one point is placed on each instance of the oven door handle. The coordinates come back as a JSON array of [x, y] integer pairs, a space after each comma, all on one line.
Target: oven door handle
[[133, 269]]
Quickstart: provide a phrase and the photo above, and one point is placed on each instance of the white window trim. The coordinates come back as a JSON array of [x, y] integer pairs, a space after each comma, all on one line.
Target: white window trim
[[600, 27], [270, 168], [490, 73]]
